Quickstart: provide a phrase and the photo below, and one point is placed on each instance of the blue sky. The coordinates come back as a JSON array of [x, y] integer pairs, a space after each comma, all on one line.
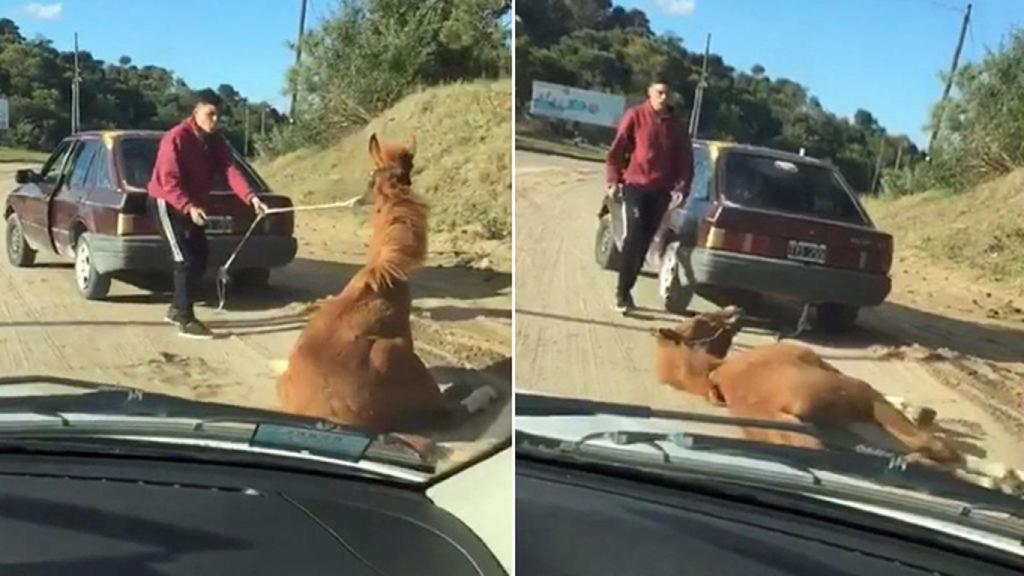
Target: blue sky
[[237, 42], [880, 55]]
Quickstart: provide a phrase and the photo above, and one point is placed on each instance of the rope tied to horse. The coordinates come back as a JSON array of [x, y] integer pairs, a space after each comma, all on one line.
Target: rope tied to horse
[[222, 272]]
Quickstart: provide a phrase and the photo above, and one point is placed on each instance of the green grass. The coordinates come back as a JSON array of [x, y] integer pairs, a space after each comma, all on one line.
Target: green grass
[[463, 162], [16, 155], [981, 230]]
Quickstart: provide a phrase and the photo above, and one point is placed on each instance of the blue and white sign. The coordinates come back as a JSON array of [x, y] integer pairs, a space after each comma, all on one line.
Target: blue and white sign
[[576, 105]]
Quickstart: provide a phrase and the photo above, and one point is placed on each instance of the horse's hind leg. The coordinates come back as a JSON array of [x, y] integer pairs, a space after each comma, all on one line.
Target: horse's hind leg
[[897, 424], [407, 389]]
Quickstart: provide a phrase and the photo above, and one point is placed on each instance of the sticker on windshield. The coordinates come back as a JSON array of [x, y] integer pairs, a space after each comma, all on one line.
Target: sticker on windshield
[[345, 445]]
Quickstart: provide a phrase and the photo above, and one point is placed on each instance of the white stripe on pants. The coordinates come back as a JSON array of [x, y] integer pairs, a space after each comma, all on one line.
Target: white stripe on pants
[[165, 221]]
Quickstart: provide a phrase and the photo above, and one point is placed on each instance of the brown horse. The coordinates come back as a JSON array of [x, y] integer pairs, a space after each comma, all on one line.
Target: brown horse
[[782, 382], [354, 363]]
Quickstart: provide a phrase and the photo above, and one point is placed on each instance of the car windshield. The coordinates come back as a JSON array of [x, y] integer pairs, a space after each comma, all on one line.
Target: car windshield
[[768, 183], [822, 280], [196, 322]]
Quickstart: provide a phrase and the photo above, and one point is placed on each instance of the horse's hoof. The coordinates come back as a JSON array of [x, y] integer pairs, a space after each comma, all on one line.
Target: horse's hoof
[[479, 399]]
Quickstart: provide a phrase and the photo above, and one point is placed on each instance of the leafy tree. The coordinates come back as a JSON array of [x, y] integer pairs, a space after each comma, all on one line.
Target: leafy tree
[[596, 45], [36, 78]]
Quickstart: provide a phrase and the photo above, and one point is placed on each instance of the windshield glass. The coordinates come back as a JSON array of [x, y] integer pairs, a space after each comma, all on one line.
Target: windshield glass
[[805, 189], [286, 327], [138, 157], [827, 285]]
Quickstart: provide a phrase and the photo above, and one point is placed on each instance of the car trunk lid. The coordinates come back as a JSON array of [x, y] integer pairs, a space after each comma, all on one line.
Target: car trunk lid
[[795, 211]]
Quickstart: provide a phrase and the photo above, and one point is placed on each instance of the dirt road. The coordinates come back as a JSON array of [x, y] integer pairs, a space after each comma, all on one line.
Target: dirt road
[[570, 342], [462, 324]]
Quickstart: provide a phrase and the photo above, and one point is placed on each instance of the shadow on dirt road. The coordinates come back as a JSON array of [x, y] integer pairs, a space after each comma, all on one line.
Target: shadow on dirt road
[[306, 279]]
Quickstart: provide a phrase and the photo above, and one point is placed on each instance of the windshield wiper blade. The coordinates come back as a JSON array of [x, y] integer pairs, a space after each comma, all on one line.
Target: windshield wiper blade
[[961, 499], [60, 381], [844, 453]]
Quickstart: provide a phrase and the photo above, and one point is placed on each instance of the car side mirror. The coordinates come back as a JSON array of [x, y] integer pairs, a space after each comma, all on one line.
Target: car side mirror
[[25, 176]]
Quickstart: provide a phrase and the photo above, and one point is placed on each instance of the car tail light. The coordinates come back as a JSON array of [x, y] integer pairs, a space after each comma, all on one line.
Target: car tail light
[[134, 224], [745, 242]]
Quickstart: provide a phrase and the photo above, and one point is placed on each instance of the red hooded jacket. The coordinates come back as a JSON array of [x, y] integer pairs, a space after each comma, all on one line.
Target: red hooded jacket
[[659, 149], [186, 165]]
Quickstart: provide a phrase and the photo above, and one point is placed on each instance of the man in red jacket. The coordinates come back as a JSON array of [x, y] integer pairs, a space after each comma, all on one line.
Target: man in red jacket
[[190, 156], [658, 169]]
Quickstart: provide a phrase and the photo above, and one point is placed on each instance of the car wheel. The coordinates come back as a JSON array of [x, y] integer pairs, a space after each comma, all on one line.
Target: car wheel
[[251, 278], [835, 318], [675, 295], [91, 284], [605, 250], [19, 253]]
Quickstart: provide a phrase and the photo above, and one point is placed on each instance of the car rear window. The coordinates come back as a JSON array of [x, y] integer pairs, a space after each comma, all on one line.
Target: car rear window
[[138, 157], [804, 189]]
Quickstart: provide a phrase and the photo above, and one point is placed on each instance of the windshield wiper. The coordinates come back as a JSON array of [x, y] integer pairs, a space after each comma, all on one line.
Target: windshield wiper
[[122, 410], [844, 453]]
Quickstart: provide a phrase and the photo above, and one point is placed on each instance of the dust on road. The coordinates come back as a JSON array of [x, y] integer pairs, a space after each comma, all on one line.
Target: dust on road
[[462, 324], [570, 342]]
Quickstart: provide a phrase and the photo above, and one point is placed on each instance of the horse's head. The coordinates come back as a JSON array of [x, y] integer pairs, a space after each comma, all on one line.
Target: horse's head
[[687, 353], [711, 331], [392, 163]]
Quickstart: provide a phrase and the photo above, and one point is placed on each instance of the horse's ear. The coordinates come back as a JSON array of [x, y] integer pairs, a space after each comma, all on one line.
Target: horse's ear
[[734, 315], [412, 145], [667, 334], [375, 149]]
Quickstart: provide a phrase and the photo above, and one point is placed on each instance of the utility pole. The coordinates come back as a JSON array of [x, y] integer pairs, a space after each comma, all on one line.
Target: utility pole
[[698, 93], [899, 155], [245, 146], [878, 165], [952, 72], [298, 57], [75, 80]]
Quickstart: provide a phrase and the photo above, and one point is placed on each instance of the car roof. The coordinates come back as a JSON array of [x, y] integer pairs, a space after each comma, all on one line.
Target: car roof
[[109, 136], [721, 145]]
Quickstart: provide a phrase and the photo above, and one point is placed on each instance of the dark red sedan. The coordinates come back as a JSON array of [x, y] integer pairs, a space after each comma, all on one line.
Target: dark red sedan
[[88, 204]]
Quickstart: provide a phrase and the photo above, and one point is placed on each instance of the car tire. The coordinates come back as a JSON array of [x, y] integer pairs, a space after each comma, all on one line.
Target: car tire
[[251, 278], [675, 294], [19, 253], [90, 283], [835, 318], [605, 250]]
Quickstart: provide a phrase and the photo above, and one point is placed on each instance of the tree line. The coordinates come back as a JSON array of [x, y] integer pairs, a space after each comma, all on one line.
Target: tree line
[[594, 44], [36, 79], [364, 57]]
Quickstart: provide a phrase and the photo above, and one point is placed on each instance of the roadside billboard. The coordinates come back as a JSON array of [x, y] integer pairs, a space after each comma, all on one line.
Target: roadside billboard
[[576, 105]]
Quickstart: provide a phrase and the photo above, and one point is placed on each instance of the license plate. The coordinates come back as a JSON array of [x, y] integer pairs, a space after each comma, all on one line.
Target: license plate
[[218, 224], [806, 252]]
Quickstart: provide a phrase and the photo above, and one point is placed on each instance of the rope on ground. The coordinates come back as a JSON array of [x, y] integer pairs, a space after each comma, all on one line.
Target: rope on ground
[[222, 272]]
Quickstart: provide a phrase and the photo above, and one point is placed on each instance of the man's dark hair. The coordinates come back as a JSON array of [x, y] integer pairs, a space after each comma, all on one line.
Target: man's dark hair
[[207, 96]]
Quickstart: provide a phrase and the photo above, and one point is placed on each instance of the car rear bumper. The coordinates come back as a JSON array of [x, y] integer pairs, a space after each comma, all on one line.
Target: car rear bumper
[[120, 253], [807, 284]]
